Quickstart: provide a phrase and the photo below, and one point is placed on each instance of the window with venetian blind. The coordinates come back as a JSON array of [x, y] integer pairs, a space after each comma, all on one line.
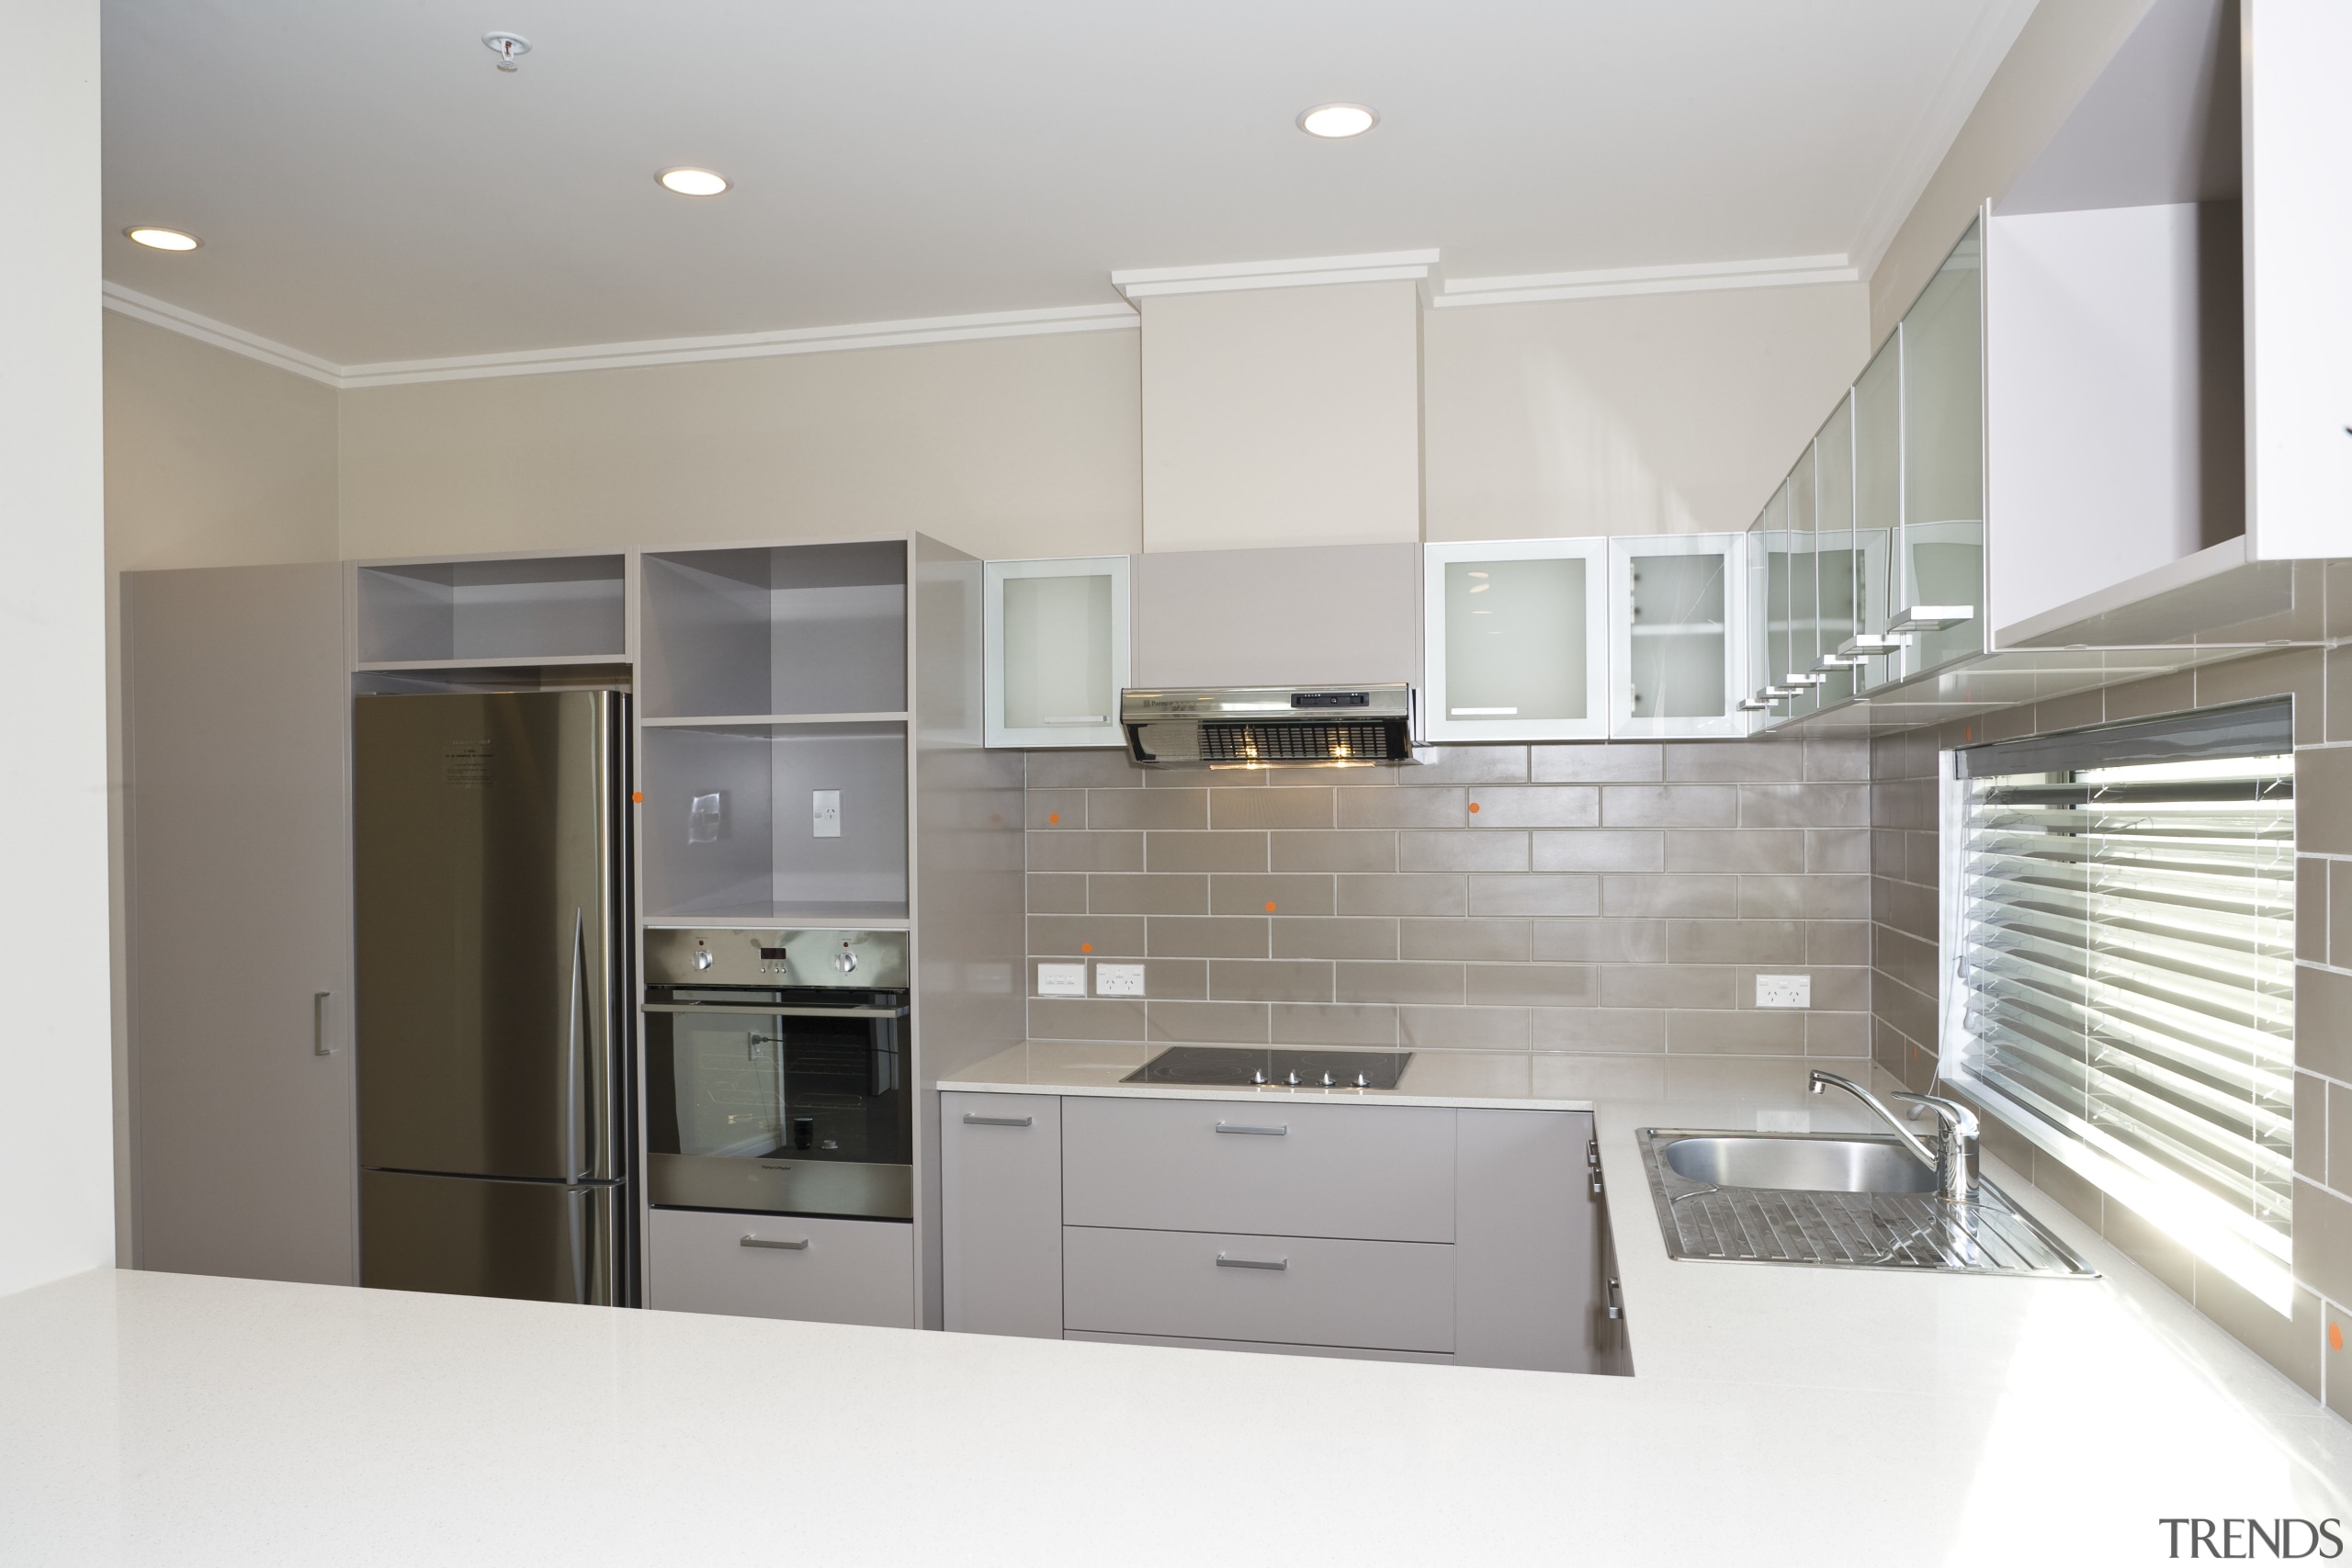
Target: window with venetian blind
[[2119, 906]]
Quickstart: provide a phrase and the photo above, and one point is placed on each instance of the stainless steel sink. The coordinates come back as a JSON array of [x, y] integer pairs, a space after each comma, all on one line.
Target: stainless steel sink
[[1810, 1165], [1834, 1200]]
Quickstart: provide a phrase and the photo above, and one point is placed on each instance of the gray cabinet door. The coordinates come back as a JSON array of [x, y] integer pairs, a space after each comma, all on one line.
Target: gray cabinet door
[[1375, 1295], [781, 1265], [237, 892], [1526, 1242], [1000, 1213]]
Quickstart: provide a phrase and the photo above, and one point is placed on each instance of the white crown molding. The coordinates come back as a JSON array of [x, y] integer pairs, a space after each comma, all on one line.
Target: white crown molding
[[614, 355], [1219, 277], [219, 334], [1609, 283], [1940, 122]]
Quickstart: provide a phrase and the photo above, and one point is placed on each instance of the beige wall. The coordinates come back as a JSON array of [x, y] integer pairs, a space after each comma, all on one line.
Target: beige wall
[[2046, 72], [1008, 447], [1654, 414], [212, 458], [1283, 417]]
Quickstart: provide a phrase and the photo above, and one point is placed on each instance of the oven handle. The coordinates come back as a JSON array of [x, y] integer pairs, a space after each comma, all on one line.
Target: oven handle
[[776, 1012]]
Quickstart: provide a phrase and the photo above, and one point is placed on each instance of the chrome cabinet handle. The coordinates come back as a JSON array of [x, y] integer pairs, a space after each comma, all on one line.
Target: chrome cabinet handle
[[1280, 1132], [1275, 1263], [972, 1121], [800, 1245], [1616, 1307]]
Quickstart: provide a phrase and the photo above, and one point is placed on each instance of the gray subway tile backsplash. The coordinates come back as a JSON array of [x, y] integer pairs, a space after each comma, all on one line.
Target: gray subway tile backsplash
[[1598, 892]]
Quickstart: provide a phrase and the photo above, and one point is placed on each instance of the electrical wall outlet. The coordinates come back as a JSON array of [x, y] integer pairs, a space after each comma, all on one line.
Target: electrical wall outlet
[[825, 813], [1118, 979], [1784, 991], [1061, 979]]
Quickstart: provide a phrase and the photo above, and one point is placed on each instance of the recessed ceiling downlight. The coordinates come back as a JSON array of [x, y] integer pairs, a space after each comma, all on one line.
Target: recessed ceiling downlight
[[692, 182], [1338, 119], [161, 239]]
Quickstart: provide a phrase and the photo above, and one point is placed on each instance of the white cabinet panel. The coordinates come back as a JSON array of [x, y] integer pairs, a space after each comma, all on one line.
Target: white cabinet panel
[[2299, 246], [1058, 652], [1516, 646], [1376, 1171], [1000, 1213], [781, 1265], [1294, 1290], [1677, 659]]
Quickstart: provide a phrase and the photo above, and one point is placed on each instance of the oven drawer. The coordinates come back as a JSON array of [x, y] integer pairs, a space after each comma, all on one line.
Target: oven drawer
[[1375, 1295], [846, 1271], [1363, 1172]]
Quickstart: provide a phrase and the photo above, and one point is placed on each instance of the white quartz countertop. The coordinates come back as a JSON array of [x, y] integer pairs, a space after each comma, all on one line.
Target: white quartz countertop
[[1777, 1415]]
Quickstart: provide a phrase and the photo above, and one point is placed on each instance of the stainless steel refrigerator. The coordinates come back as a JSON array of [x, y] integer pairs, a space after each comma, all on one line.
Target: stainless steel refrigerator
[[490, 870]]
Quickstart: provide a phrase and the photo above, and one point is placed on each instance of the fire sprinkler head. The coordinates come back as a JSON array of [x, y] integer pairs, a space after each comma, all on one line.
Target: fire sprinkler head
[[509, 47]]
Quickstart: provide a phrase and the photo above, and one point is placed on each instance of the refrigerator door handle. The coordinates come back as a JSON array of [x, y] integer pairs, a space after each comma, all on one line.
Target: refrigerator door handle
[[571, 1062]]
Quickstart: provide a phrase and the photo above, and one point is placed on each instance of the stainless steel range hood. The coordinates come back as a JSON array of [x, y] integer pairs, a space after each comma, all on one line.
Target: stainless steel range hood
[[1271, 727]]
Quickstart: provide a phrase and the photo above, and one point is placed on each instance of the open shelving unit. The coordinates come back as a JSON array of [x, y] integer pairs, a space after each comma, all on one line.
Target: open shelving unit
[[771, 674], [531, 611]]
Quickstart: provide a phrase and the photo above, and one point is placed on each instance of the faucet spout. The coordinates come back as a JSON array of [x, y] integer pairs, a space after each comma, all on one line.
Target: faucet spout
[[1954, 1156]]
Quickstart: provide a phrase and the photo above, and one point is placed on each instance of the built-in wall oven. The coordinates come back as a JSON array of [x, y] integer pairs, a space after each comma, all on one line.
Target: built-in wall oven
[[776, 1072]]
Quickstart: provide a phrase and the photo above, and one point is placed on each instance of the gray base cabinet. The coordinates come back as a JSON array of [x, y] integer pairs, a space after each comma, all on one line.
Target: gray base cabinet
[[781, 1265], [1000, 1213], [1396, 1232]]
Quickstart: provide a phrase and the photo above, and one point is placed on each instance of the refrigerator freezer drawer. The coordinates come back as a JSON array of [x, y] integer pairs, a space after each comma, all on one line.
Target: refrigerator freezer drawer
[[467, 1236], [769, 1266]]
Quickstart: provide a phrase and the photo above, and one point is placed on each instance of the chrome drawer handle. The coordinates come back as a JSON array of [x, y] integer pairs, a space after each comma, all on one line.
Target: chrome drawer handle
[[800, 1245], [1280, 1132], [1277, 1263], [972, 1121]]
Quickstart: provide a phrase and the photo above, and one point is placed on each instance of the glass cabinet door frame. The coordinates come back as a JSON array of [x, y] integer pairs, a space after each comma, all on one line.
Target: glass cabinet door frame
[[1732, 721], [997, 573], [1440, 724]]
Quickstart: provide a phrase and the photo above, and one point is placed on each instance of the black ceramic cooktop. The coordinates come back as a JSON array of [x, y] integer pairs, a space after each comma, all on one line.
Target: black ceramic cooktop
[[1245, 1067]]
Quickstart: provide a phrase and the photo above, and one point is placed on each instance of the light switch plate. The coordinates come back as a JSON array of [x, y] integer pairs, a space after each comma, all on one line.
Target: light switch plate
[[825, 813], [1061, 979], [1118, 979], [1784, 991]]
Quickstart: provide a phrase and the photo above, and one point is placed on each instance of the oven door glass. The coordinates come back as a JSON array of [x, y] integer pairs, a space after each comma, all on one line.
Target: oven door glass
[[782, 1108]]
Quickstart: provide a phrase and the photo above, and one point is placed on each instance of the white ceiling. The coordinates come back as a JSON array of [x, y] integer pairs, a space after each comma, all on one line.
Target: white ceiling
[[369, 187]]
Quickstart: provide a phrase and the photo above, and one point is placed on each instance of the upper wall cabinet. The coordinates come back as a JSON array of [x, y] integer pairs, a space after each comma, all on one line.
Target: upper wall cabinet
[[537, 610], [1058, 652], [780, 631], [1677, 665], [1939, 553], [2298, 243], [1517, 645]]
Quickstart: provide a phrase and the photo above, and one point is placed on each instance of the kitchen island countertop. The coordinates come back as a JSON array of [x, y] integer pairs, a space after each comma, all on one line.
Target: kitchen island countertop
[[1776, 1415]]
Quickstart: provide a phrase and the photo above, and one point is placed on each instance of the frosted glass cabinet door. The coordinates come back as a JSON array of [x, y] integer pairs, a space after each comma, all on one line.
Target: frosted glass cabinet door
[[1940, 555], [1675, 637], [1878, 502], [1512, 639], [1057, 651]]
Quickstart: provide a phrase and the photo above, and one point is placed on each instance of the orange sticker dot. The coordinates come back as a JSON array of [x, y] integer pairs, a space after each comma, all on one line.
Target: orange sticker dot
[[2335, 1337], [637, 795], [1053, 816], [1086, 947], [1270, 906], [1473, 808]]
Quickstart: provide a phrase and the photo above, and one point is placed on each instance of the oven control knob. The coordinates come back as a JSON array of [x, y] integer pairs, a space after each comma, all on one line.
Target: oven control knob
[[702, 958], [845, 961]]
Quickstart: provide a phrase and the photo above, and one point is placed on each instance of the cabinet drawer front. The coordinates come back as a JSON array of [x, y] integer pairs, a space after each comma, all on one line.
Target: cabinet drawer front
[[1379, 1295], [1364, 1172], [848, 1271], [1339, 1352]]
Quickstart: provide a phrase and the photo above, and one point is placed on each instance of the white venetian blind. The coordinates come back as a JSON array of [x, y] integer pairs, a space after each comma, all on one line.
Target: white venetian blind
[[2124, 992]]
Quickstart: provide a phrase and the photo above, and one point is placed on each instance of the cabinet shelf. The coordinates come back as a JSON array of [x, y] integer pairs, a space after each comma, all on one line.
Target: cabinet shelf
[[404, 666], [871, 915], [761, 720]]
